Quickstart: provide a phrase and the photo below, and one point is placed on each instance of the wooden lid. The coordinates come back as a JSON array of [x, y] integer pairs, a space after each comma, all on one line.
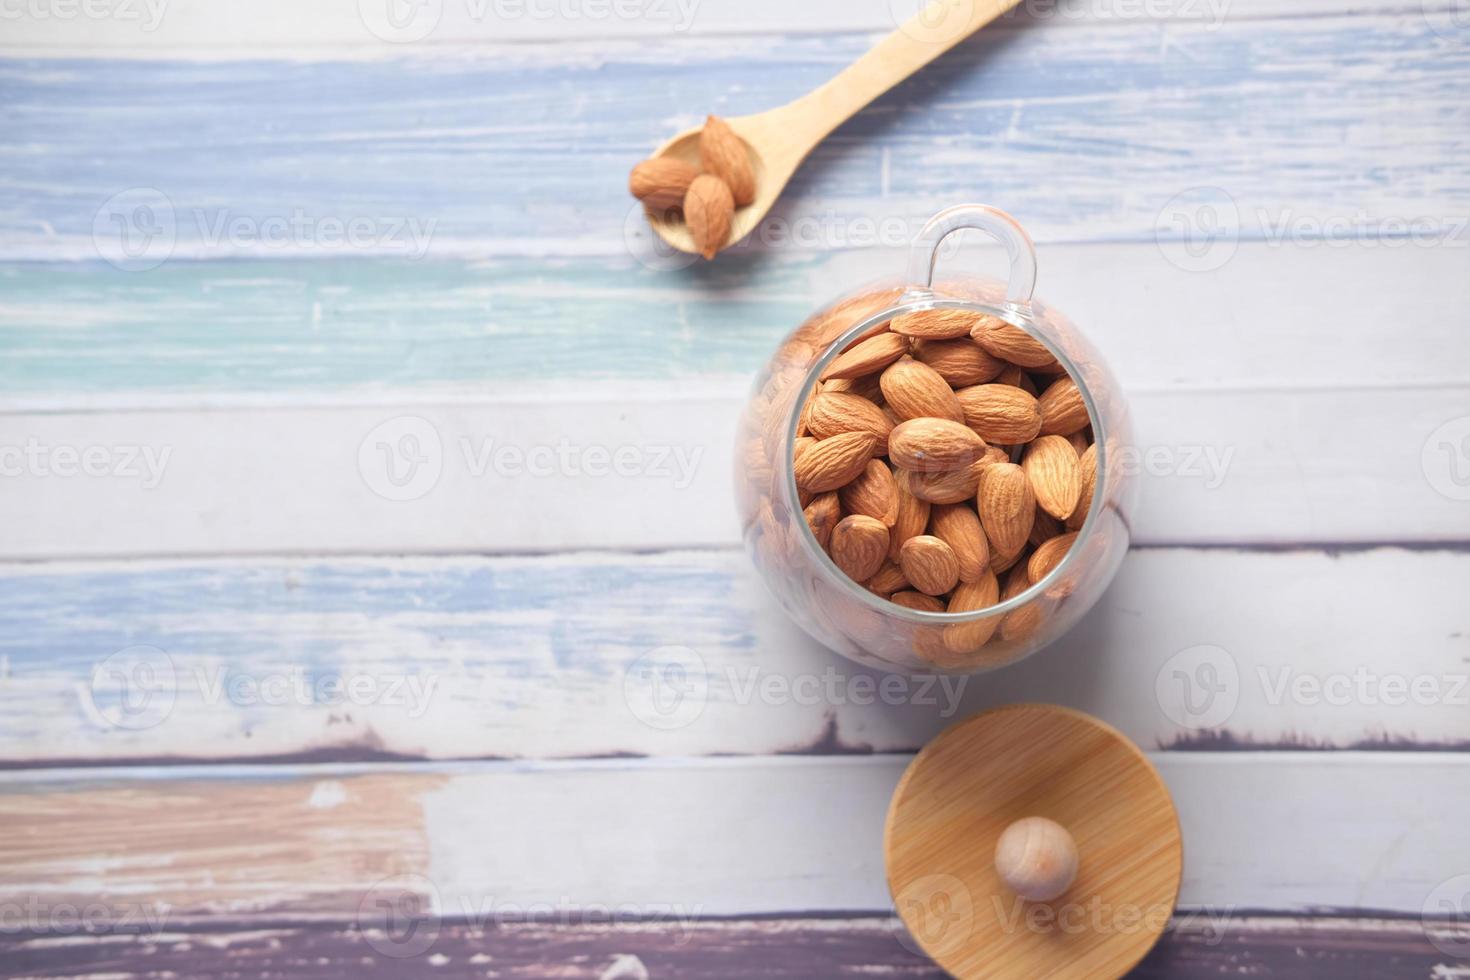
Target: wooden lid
[[972, 783]]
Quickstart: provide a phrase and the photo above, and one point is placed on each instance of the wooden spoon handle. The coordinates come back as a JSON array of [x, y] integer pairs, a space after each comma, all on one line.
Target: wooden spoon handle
[[941, 25]]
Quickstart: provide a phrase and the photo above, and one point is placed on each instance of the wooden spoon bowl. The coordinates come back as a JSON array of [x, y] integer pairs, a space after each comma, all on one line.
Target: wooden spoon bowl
[[779, 139]]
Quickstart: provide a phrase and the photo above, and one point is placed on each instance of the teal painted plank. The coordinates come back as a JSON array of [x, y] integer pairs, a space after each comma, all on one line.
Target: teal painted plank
[[1085, 133], [241, 326], [380, 329]]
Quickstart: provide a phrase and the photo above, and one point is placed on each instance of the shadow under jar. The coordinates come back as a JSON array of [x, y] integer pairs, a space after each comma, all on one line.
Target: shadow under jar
[[865, 625]]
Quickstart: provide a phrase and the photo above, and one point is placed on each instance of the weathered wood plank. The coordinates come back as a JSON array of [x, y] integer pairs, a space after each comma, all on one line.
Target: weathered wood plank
[[561, 657], [1279, 317], [1269, 948], [233, 29], [671, 839], [520, 167], [649, 466]]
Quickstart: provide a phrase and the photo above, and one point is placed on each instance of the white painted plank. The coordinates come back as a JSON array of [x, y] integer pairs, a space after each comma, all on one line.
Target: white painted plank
[[221, 29], [686, 654], [809, 835], [712, 837], [599, 468]]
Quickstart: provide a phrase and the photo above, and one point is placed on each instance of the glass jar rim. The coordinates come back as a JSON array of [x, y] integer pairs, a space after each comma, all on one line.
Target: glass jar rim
[[916, 300]]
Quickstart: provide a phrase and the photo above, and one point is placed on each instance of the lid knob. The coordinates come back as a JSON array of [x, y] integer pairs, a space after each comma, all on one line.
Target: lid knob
[[1036, 858]]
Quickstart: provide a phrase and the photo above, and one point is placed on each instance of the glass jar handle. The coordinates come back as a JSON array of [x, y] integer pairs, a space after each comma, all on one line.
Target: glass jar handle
[[924, 252]]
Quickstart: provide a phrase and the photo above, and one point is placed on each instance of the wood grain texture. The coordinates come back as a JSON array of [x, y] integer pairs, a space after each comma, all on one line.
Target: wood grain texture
[[1125, 118], [236, 29], [677, 840], [588, 468], [560, 656], [1269, 948], [193, 333], [966, 787]]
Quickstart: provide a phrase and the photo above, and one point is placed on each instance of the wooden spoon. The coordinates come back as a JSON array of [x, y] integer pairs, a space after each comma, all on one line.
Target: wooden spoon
[[779, 139]]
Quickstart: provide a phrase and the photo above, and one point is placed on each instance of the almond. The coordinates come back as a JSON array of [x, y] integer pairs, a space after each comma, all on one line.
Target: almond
[[723, 154], [917, 600], [834, 412], [969, 597], [935, 324], [1044, 527], [959, 527], [1001, 563], [801, 445], [1000, 413], [913, 390], [867, 387], [822, 515], [1062, 410], [1051, 465], [1016, 378], [867, 356], [929, 564], [1048, 556], [661, 182], [859, 545], [874, 493], [1006, 506], [1020, 623], [950, 487], [835, 462], [708, 211], [913, 516], [960, 362], [1080, 441], [929, 445], [803, 423], [1087, 475], [889, 578], [1010, 343]]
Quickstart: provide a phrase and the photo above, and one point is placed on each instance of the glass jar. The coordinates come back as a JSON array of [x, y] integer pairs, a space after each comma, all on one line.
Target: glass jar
[[840, 612]]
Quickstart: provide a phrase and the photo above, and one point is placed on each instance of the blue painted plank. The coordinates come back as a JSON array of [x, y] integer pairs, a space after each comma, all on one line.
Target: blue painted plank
[[1084, 133], [561, 656]]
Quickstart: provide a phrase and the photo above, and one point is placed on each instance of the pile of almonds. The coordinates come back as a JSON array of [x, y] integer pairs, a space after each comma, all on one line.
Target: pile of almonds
[[943, 452], [709, 195]]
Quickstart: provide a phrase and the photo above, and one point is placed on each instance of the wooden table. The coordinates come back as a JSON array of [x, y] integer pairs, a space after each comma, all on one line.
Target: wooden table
[[372, 601]]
